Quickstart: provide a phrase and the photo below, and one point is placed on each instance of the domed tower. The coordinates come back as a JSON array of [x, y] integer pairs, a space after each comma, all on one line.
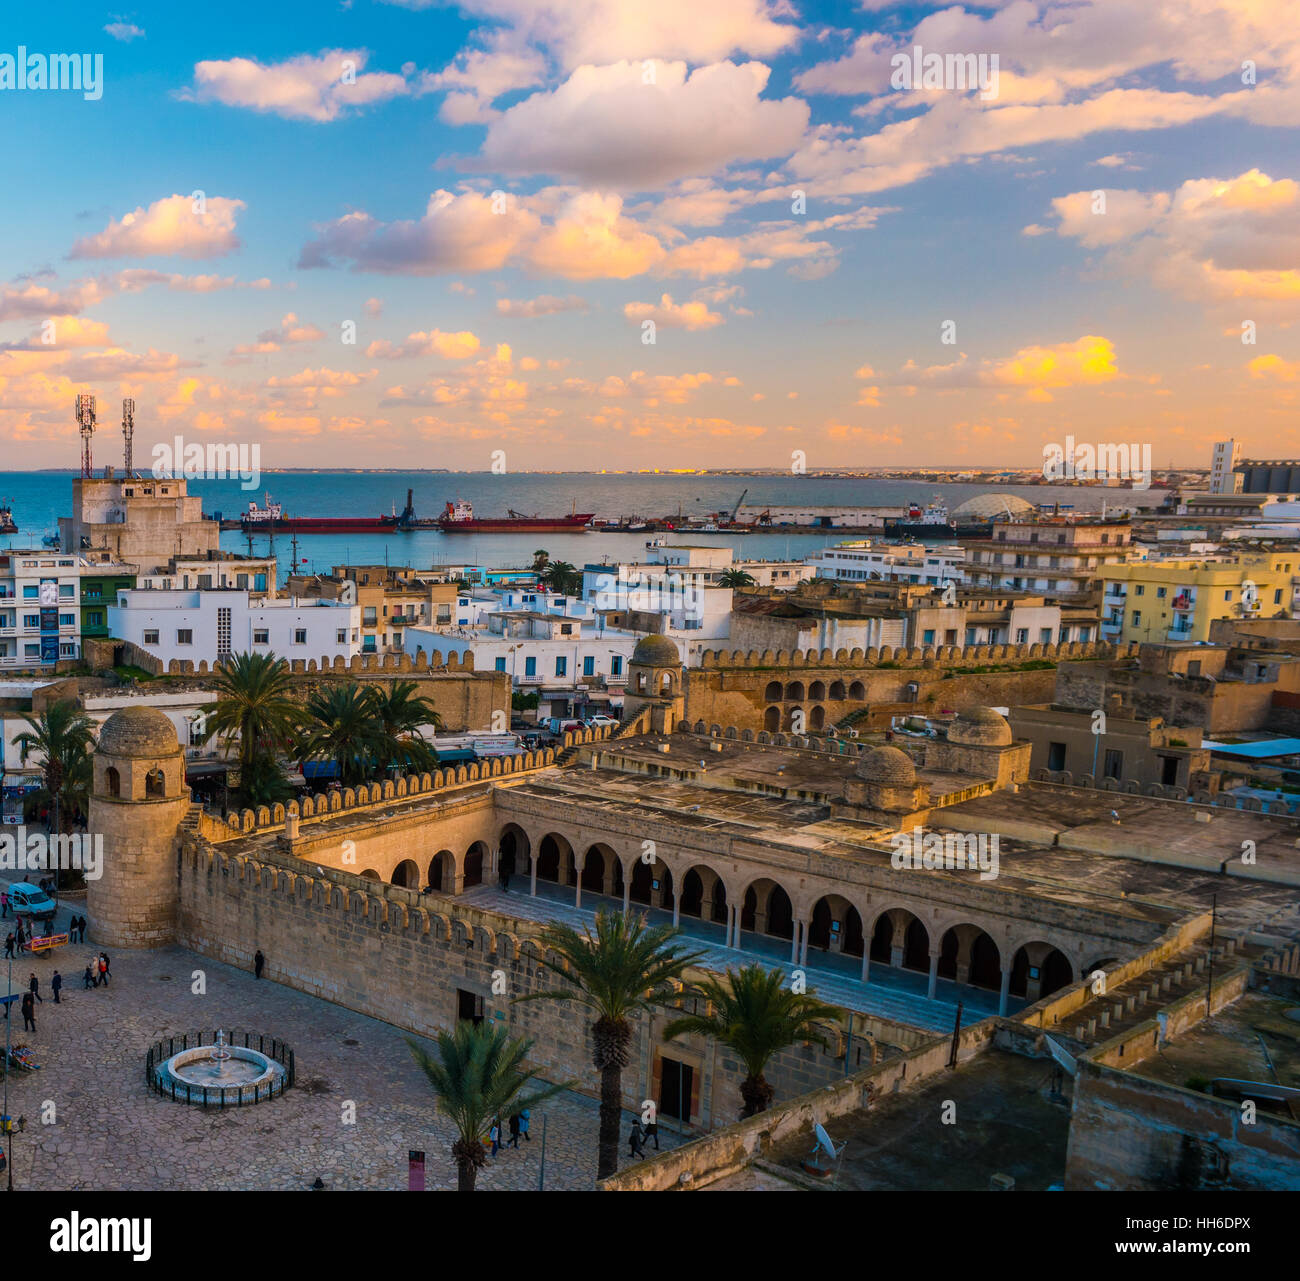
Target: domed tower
[[654, 679], [980, 742], [138, 799], [885, 779]]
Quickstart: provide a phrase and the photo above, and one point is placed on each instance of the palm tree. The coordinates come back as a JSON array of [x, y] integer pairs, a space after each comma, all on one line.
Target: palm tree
[[399, 713], [62, 736], [479, 1075], [735, 578], [541, 558], [624, 967], [754, 1014], [562, 577], [342, 725], [254, 703]]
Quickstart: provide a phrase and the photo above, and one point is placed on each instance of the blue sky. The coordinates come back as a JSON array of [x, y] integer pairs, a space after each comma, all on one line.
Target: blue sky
[[648, 161]]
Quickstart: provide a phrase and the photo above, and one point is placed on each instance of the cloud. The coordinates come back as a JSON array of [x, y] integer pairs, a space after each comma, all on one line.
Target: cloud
[[477, 77], [457, 346], [543, 305], [604, 31], [671, 315], [1274, 367], [1211, 239], [291, 332], [124, 31], [306, 87], [606, 127], [59, 333], [175, 226]]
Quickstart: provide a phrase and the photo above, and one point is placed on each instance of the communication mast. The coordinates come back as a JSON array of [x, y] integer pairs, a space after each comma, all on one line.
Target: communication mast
[[128, 430], [86, 422]]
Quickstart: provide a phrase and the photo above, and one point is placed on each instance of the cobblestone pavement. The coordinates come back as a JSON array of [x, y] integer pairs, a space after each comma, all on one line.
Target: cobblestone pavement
[[109, 1131]]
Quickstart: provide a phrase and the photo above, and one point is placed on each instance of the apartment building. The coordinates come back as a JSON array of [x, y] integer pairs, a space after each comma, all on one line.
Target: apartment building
[[1179, 600], [1058, 555]]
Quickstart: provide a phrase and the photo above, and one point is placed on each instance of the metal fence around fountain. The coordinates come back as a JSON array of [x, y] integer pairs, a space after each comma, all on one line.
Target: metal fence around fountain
[[224, 1096]]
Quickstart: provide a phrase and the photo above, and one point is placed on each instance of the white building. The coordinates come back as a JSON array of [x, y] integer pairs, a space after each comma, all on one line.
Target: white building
[[255, 574], [1223, 480], [865, 560], [208, 625]]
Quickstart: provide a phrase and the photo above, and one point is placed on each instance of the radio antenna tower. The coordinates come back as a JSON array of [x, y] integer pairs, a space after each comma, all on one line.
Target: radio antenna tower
[[86, 422], [128, 430]]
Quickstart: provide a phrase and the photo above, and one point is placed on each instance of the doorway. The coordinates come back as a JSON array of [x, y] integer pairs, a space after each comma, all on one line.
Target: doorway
[[676, 1080]]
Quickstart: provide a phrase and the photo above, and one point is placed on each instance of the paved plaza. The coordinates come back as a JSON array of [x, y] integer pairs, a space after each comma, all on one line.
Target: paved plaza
[[109, 1131]]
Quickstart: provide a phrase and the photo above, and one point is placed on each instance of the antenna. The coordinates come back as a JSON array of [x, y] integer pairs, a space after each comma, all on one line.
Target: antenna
[[128, 430], [86, 422]]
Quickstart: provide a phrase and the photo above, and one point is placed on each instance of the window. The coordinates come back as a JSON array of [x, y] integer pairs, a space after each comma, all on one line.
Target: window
[[341, 636], [368, 616], [261, 636], [67, 590], [1137, 618], [561, 666], [589, 666], [530, 667], [31, 620], [1227, 595], [500, 664], [1114, 764], [184, 636], [1022, 635], [151, 637], [31, 593], [1161, 593], [616, 668], [1056, 756], [1277, 597], [299, 635], [67, 620], [566, 629], [1045, 635], [1139, 590]]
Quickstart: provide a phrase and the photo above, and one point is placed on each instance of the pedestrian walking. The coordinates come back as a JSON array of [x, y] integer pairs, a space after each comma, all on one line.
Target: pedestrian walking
[[652, 1132], [18, 938], [72, 929], [103, 968], [29, 1013], [9, 945], [514, 1130], [259, 964], [4, 902], [56, 986], [88, 979], [524, 1118], [635, 1141], [34, 987], [494, 1134]]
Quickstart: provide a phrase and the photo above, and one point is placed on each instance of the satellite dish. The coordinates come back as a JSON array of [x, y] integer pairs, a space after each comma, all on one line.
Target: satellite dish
[[1062, 1057], [824, 1142]]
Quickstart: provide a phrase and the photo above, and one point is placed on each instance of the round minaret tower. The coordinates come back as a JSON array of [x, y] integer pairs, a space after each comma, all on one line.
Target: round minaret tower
[[138, 799]]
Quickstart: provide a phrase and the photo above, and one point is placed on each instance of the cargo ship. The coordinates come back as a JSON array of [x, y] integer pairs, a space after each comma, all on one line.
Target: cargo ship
[[459, 518], [272, 520]]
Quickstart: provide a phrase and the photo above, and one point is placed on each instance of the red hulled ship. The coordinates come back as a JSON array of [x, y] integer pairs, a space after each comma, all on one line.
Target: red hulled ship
[[459, 518]]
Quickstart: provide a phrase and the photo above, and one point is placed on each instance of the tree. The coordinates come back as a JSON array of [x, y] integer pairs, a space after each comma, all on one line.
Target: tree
[[562, 577], [478, 1076], [342, 725], [624, 967], [735, 578], [62, 736], [400, 713], [541, 558], [254, 705], [754, 1013]]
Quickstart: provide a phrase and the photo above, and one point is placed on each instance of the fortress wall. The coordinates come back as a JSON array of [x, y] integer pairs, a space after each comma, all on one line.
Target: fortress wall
[[402, 957]]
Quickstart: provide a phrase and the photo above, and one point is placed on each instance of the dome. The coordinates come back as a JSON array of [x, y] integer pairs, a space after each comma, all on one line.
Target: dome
[[992, 506], [887, 765], [138, 731], [656, 651], [980, 726]]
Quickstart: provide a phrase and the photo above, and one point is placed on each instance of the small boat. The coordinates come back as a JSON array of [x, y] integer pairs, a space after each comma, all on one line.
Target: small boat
[[7, 525]]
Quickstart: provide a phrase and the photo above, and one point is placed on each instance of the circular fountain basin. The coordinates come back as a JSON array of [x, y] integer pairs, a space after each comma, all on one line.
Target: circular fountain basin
[[243, 1077]]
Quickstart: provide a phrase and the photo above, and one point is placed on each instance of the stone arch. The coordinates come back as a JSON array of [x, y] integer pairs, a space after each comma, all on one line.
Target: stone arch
[[477, 858], [704, 895], [442, 871], [772, 720], [514, 847], [794, 692], [817, 691], [602, 871], [857, 691], [817, 719], [836, 926], [766, 908], [555, 861], [968, 954], [773, 692], [1038, 969], [113, 781], [899, 938], [407, 874], [837, 691], [371, 875]]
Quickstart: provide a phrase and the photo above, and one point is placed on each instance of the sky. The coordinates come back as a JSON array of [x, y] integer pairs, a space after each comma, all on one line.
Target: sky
[[609, 234]]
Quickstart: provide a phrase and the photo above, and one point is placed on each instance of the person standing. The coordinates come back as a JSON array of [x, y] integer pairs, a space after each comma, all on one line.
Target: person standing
[[652, 1132], [88, 979], [18, 936], [29, 1013], [635, 1142], [103, 968], [514, 1130], [524, 1118], [34, 987], [259, 964], [494, 1134], [56, 985], [4, 902], [9, 945]]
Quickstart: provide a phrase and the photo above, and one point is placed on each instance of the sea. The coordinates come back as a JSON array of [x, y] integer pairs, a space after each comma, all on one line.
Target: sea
[[39, 498]]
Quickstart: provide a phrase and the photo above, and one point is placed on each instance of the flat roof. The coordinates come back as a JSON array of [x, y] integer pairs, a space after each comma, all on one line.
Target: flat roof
[[1255, 751]]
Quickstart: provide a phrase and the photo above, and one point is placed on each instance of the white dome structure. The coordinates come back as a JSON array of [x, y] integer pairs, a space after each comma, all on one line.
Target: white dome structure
[[992, 507]]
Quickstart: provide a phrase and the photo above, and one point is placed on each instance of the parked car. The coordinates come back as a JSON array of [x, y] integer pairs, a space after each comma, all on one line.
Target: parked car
[[596, 722], [30, 900]]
